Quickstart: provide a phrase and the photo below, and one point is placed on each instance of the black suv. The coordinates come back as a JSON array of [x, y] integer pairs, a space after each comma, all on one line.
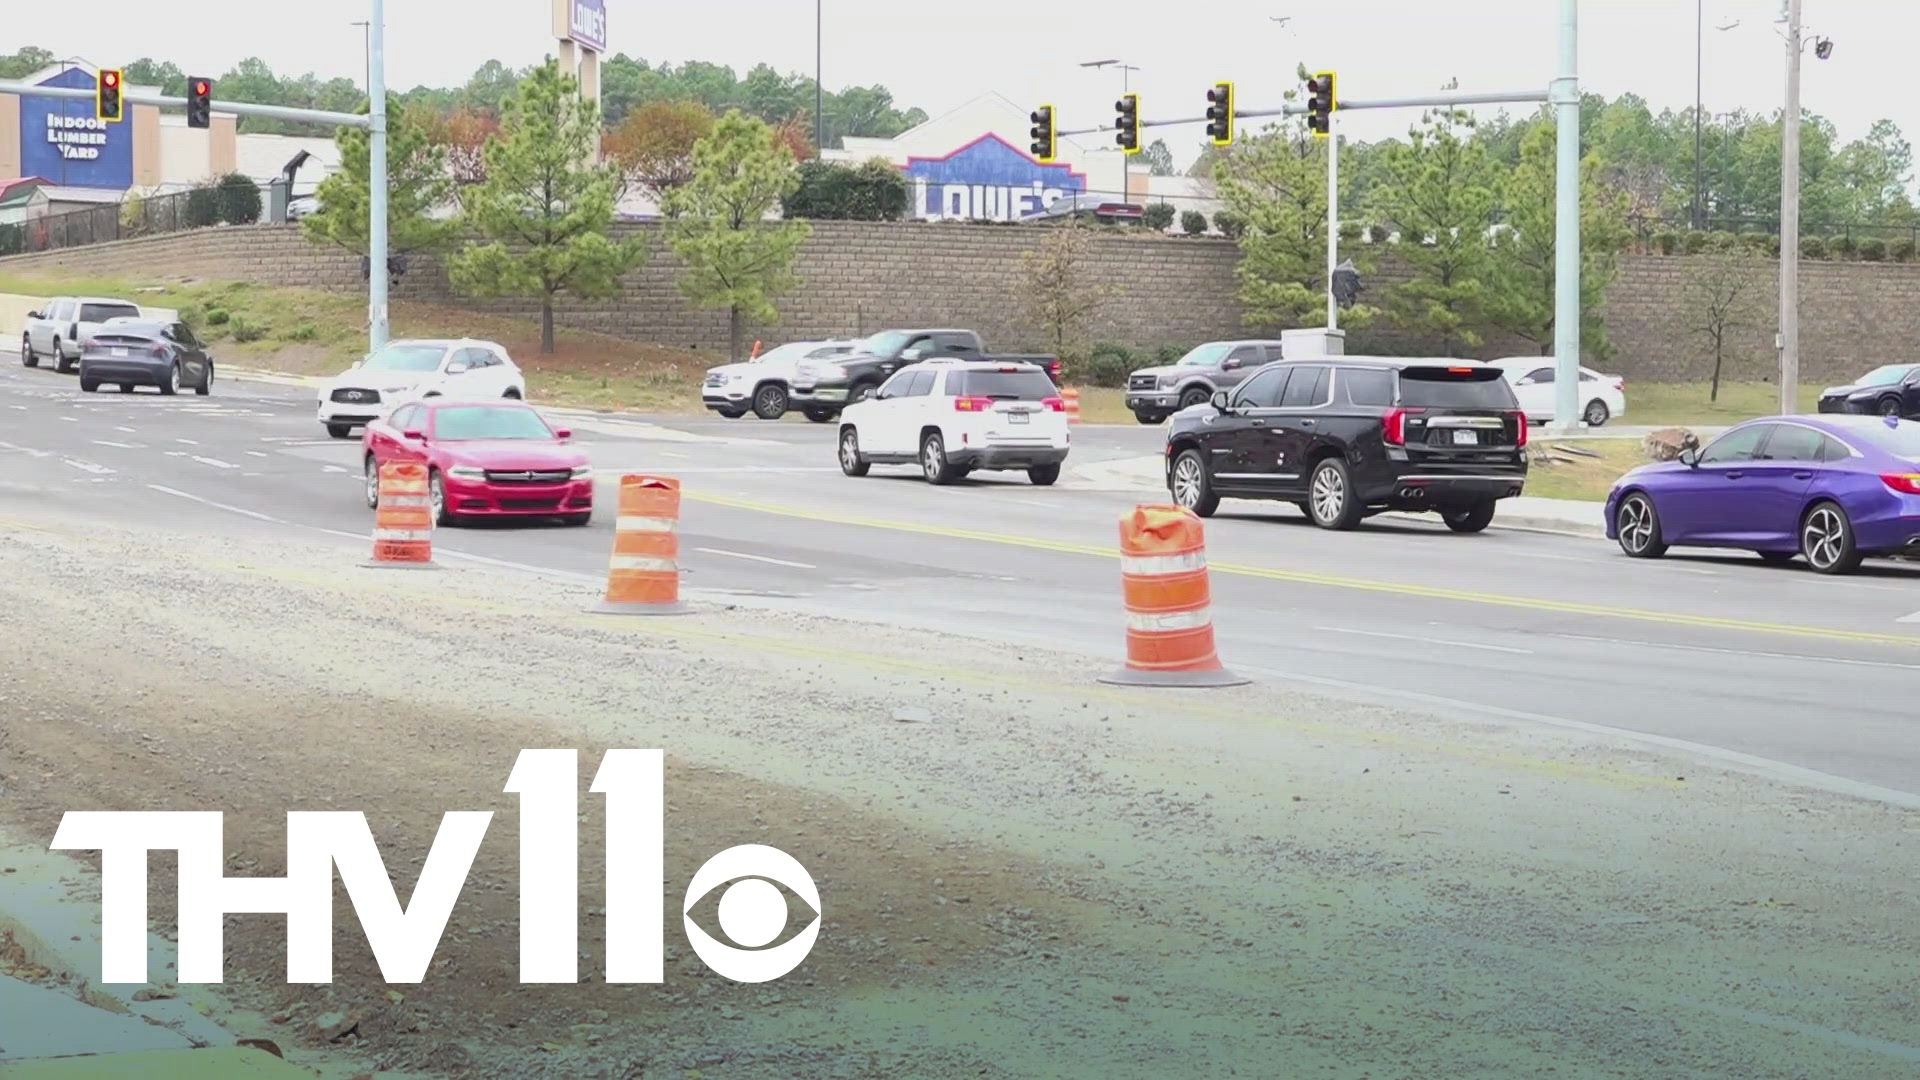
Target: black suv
[[1345, 438]]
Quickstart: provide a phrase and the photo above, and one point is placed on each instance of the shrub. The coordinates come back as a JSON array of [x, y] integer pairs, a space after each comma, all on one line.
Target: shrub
[[1721, 239], [1350, 231], [1108, 365], [303, 332], [1812, 247], [1193, 222], [239, 199], [1873, 249], [1901, 250], [1843, 247], [244, 331], [1667, 240], [1230, 224], [1158, 216], [1167, 354], [871, 191], [1376, 233], [217, 316], [203, 207], [1761, 243], [1693, 241]]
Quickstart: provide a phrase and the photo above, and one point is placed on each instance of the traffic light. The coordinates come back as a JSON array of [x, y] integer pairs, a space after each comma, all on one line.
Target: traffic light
[[1127, 123], [1321, 104], [106, 95], [199, 102], [1220, 114], [1045, 141]]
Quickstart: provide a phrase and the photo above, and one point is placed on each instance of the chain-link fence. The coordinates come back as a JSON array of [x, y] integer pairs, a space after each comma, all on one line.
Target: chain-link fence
[[233, 201]]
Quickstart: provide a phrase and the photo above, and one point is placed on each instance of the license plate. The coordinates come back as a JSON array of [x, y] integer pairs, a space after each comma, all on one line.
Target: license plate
[[1017, 418], [117, 352], [1466, 438]]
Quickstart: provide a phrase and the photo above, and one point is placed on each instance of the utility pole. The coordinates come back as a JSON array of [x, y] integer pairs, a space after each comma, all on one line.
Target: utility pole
[[377, 181], [1333, 217], [819, 94], [1789, 341], [1699, 84], [1566, 248]]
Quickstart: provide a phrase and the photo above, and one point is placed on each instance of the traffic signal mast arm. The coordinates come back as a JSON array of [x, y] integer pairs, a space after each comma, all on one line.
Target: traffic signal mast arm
[[1482, 97], [127, 97]]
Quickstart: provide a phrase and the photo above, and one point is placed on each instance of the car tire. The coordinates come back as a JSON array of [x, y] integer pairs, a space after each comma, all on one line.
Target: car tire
[[1826, 539], [1472, 518], [578, 520], [820, 416], [206, 383], [1190, 486], [731, 414], [1597, 414], [437, 500], [1889, 406], [1636, 526], [60, 362], [512, 394], [370, 469], [340, 431], [28, 358], [933, 460], [770, 401], [89, 386], [171, 385], [1044, 475], [126, 388], [1330, 501], [1194, 395], [851, 462]]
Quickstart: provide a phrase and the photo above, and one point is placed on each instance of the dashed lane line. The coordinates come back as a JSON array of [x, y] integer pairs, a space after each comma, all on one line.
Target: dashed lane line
[[215, 462]]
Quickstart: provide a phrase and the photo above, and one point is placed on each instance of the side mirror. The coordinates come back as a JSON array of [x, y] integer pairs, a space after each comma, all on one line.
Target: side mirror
[[415, 434], [1231, 364], [563, 434], [458, 367], [1220, 400], [36, 314], [1690, 457]]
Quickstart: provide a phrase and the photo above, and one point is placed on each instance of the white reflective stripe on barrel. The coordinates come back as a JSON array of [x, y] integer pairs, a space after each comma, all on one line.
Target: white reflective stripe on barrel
[[1172, 620], [639, 562], [636, 523], [1151, 565], [404, 500], [402, 534]]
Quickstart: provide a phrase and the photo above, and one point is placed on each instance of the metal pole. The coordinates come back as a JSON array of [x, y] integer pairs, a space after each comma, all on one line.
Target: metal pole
[[377, 181], [1790, 222], [162, 101], [1699, 66], [819, 94], [1333, 219], [1450, 99], [1566, 272]]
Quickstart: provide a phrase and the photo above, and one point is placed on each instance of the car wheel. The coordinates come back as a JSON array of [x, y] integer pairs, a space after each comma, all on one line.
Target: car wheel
[[88, 386], [933, 460], [861, 393], [1469, 519], [1826, 540], [821, 416], [1890, 407], [1043, 475], [27, 357], [1194, 396], [1190, 486], [1597, 413], [512, 394], [340, 431], [1777, 558], [437, 499], [1330, 501], [206, 383], [171, 384], [371, 469], [126, 388], [1637, 526], [578, 520], [60, 362], [851, 462], [770, 402]]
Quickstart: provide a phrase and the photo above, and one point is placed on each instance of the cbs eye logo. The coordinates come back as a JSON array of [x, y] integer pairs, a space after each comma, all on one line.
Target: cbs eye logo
[[752, 912]]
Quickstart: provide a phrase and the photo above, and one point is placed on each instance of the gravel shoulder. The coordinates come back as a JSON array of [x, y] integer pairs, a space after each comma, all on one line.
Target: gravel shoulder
[[1047, 877]]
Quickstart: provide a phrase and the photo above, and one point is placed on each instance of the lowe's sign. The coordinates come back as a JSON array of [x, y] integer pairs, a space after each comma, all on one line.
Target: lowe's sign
[[62, 142], [587, 23], [987, 179]]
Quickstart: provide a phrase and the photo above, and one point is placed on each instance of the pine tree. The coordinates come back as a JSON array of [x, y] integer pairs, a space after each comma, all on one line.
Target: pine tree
[[1439, 193], [1523, 301], [417, 185]]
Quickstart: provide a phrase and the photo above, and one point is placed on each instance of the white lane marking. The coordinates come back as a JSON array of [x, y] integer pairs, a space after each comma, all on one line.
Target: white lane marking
[[22, 408], [116, 445], [25, 450], [128, 430], [215, 505], [1425, 640], [670, 453], [257, 453], [758, 558], [1915, 618], [71, 419], [333, 468], [215, 462], [88, 466], [176, 453], [1665, 646], [186, 442]]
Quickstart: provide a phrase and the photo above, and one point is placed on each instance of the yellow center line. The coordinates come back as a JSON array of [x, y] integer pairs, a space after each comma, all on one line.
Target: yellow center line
[[1336, 581]]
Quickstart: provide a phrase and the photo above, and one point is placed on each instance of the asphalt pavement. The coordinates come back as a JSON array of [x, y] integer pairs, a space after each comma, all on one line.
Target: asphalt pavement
[[1771, 669]]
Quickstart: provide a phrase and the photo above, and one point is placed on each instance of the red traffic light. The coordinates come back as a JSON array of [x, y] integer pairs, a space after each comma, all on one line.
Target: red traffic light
[[201, 88], [111, 79]]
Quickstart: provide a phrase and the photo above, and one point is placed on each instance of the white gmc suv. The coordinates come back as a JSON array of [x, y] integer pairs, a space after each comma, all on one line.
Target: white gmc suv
[[955, 416]]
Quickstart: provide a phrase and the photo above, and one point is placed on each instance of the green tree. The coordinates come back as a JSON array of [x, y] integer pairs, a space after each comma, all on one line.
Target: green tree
[[1159, 158], [1058, 294], [1439, 192], [418, 183], [545, 210], [1275, 187], [717, 223], [1522, 299]]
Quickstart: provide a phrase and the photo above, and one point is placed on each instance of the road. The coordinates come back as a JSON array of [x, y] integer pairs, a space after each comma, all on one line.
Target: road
[[1768, 669]]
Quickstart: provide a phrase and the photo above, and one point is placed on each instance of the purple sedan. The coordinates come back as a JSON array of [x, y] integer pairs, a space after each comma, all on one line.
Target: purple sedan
[[1832, 489]]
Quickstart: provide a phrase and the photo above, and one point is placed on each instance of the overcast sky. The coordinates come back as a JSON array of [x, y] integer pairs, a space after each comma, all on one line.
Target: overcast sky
[[938, 56]]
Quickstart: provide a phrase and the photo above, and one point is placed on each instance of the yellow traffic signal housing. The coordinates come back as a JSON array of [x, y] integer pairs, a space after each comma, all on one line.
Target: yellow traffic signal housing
[[106, 96]]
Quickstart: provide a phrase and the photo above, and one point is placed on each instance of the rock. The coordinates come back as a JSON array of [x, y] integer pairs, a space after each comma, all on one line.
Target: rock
[[330, 1026], [912, 714], [1666, 444]]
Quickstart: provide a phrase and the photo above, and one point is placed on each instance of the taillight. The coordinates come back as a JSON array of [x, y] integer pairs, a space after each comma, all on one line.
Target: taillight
[[159, 350], [1908, 483], [1395, 431], [1520, 422], [973, 404], [1056, 404], [1619, 384]]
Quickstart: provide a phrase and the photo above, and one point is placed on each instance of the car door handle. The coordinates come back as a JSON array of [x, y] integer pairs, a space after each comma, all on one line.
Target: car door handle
[[1803, 476], [1735, 475], [1306, 423]]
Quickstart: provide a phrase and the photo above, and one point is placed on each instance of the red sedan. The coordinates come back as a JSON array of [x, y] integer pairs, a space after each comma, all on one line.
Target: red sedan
[[484, 459]]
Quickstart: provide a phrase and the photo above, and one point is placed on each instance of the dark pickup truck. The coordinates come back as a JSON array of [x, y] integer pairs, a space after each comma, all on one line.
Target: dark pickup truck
[[821, 388]]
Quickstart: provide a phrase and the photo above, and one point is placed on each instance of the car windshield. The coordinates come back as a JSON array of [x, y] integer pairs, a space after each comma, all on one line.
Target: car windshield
[[1890, 373], [884, 343], [1208, 355], [1901, 439], [99, 313], [402, 356], [1003, 385], [488, 422]]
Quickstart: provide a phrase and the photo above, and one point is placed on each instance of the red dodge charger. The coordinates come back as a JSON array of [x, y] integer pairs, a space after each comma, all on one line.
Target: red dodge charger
[[484, 459]]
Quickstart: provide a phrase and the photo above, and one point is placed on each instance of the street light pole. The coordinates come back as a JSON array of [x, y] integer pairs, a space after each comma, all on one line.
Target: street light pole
[[819, 94], [1566, 245], [377, 181], [1790, 221], [1699, 55]]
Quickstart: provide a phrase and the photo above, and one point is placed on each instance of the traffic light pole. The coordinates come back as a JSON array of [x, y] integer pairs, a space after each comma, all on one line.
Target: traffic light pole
[[1333, 218], [377, 180]]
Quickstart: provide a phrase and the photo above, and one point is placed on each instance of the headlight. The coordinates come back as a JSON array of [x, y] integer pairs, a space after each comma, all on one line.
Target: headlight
[[581, 472], [467, 472], [1167, 381]]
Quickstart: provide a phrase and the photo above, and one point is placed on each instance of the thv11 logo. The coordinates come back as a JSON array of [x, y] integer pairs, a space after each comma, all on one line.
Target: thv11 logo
[[752, 911]]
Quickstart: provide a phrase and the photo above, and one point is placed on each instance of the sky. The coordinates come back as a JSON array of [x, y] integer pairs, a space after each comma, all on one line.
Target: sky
[[940, 55]]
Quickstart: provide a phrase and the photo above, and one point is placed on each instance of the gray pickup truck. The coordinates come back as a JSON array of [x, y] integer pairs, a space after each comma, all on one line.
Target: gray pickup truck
[[1156, 393], [821, 388]]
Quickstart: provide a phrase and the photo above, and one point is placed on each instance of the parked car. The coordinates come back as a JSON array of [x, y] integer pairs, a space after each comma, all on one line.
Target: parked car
[[411, 370], [760, 384], [953, 415], [821, 388], [146, 352], [1347, 437], [493, 458], [1834, 490], [1889, 390], [61, 328], [1602, 397], [1156, 393]]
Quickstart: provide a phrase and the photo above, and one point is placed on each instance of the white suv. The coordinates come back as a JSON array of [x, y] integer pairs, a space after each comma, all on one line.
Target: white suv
[[410, 370], [62, 327], [955, 416]]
